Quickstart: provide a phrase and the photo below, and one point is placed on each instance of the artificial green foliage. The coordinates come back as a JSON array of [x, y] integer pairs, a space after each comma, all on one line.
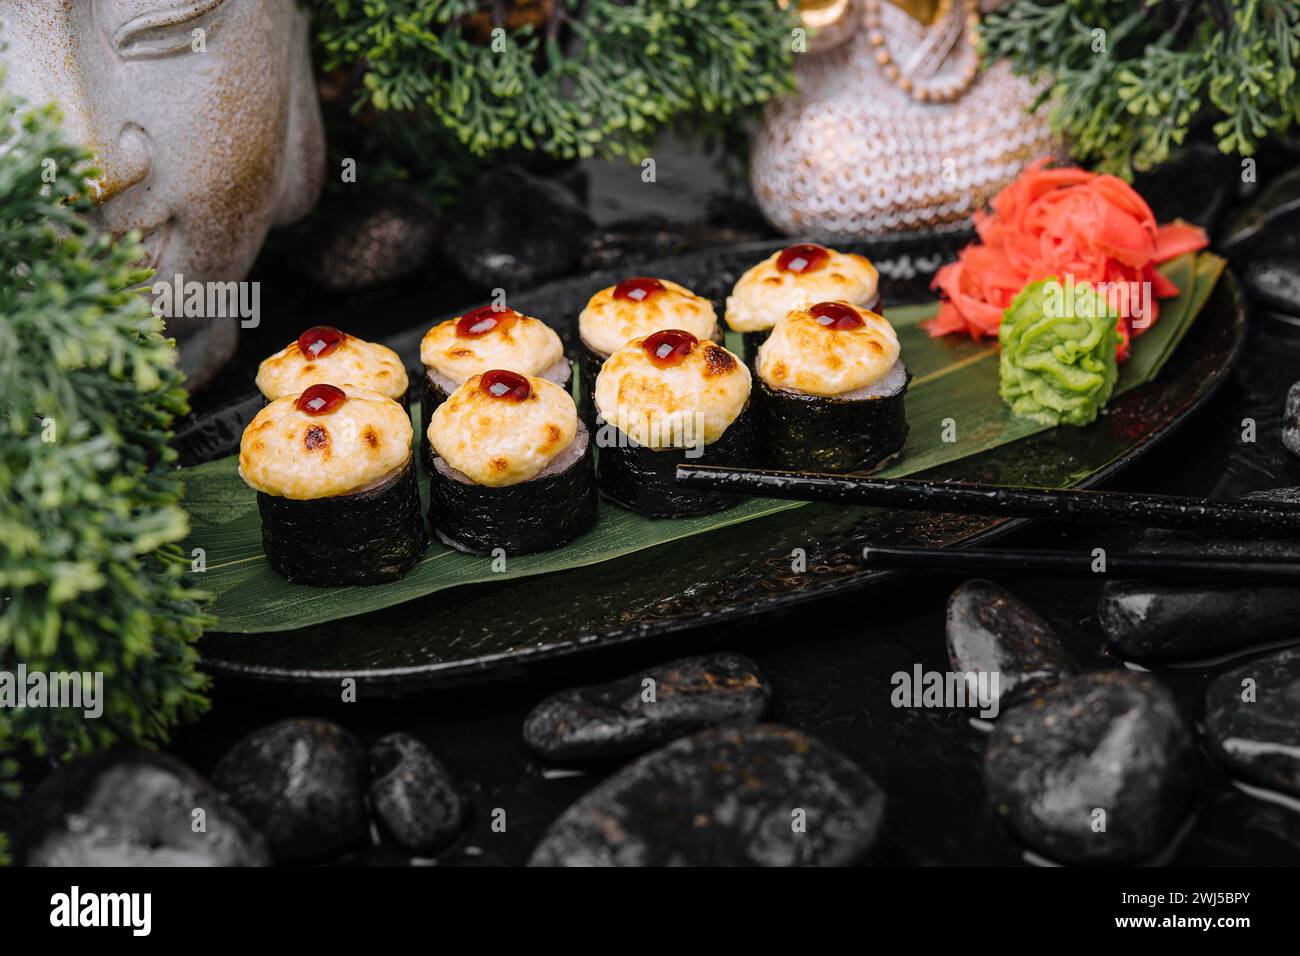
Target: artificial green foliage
[[91, 575], [8, 785], [568, 78], [1131, 78]]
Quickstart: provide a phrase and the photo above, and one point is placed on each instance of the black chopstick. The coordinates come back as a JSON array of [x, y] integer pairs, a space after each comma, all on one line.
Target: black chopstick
[[1264, 518], [1173, 567]]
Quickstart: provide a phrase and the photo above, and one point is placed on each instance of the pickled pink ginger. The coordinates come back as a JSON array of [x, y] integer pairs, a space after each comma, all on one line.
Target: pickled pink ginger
[[1066, 222]]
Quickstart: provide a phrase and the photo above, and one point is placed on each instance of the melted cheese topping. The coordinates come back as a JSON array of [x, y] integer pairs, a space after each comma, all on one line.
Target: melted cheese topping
[[498, 442], [528, 347], [670, 407], [764, 295], [803, 355], [365, 364], [607, 323], [291, 454]]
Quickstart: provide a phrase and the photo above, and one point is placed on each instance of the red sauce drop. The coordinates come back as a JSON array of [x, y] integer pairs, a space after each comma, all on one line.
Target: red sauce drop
[[803, 257], [837, 316], [483, 320], [669, 347], [507, 386], [321, 399], [638, 289], [320, 340]]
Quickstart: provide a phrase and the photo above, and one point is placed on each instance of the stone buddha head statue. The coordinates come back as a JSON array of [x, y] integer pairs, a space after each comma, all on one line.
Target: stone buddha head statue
[[205, 122]]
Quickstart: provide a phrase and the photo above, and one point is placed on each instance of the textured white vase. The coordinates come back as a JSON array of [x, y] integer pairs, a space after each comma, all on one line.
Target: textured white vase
[[852, 154], [205, 121]]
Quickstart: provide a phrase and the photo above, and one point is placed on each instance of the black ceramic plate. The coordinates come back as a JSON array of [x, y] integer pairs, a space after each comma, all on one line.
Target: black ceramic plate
[[489, 631]]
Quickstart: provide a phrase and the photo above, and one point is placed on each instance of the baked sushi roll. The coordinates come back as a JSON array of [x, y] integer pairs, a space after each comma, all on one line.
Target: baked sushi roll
[[486, 338], [336, 486], [795, 278], [512, 467], [663, 400], [324, 354], [830, 390], [630, 310]]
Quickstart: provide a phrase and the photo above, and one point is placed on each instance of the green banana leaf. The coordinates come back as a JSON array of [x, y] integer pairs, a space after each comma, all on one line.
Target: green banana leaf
[[952, 406]]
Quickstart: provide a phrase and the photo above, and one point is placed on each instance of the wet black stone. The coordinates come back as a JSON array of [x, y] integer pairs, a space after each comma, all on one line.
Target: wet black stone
[[723, 797], [300, 782], [1273, 275], [134, 807], [991, 630], [1195, 184], [1111, 741], [1157, 622], [216, 435], [623, 245], [612, 720], [513, 229], [1264, 237], [1291, 420], [361, 238], [1259, 739], [1277, 204], [412, 796]]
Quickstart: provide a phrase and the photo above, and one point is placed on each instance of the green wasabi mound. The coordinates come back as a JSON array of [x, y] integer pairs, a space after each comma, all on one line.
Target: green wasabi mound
[[1058, 353]]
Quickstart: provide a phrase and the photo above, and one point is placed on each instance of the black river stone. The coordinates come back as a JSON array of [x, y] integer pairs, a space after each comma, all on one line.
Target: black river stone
[[300, 782], [751, 796], [1291, 420], [361, 238], [1264, 237], [1273, 277], [1254, 728], [623, 245], [613, 720], [134, 807], [412, 796], [991, 630], [1195, 184], [1105, 749], [513, 229], [1157, 622]]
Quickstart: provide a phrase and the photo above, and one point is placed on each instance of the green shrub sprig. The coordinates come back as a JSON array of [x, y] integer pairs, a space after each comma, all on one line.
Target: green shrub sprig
[[91, 575], [1131, 78]]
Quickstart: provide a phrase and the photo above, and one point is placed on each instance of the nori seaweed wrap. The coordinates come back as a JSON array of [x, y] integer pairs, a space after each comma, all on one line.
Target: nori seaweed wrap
[[589, 363], [534, 515], [336, 486], [501, 487], [753, 340], [670, 399], [816, 433], [644, 479], [366, 537], [849, 414]]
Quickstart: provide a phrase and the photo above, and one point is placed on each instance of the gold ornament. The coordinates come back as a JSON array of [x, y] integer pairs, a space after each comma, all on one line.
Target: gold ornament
[[828, 22]]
